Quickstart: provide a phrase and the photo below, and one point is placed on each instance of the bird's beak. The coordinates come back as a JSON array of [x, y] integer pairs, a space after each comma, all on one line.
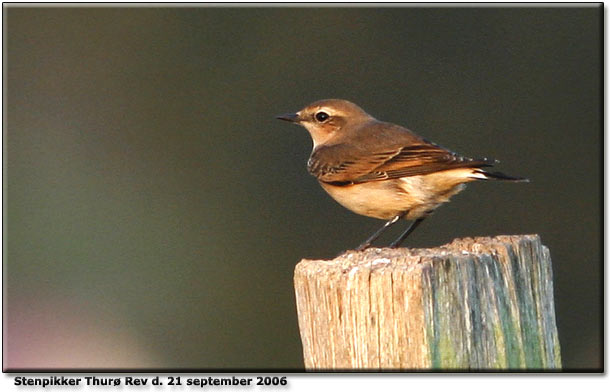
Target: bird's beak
[[291, 117]]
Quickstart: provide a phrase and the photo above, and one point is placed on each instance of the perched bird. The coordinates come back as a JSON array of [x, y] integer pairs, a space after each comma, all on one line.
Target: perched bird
[[383, 170]]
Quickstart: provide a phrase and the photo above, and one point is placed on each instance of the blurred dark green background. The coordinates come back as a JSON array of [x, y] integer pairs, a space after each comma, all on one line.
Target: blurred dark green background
[[155, 209]]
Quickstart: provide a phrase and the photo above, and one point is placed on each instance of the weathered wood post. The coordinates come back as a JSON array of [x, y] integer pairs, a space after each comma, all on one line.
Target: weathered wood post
[[476, 303]]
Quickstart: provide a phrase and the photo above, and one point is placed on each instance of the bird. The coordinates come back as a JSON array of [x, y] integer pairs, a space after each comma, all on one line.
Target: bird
[[383, 170]]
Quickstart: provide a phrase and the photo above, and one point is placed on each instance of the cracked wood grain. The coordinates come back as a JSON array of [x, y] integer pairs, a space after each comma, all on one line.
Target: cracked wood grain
[[482, 303]]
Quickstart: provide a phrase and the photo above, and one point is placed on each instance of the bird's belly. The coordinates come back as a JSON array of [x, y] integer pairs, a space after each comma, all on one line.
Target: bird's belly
[[415, 195]]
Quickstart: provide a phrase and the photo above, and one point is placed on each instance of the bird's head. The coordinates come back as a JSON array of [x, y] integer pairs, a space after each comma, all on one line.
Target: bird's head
[[327, 118]]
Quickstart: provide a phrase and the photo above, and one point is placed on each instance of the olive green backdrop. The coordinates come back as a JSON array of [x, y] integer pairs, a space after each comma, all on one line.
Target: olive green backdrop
[[154, 209]]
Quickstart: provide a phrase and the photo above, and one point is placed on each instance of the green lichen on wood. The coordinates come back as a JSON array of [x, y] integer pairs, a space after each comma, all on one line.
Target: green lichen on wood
[[492, 310], [474, 304]]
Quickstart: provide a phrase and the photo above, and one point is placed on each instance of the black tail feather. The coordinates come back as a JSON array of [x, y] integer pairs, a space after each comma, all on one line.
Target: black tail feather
[[501, 176]]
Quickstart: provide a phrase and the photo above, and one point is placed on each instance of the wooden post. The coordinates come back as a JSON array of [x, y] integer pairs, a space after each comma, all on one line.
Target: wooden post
[[476, 303]]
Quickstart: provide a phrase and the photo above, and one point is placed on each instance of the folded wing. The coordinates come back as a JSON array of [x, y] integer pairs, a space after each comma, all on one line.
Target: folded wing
[[343, 163]]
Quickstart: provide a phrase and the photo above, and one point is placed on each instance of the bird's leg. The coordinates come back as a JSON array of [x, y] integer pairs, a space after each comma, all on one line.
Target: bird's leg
[[404, 235], [376, 235]]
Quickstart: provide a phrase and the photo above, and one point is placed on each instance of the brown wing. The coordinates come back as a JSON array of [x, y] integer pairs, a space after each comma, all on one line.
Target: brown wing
[[344, 163]]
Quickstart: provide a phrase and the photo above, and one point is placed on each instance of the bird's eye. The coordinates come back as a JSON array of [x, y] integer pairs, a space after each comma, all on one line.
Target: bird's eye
[[322, 116]]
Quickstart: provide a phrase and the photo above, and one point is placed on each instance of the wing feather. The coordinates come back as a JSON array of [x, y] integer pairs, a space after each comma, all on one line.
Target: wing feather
[[344, 163]]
